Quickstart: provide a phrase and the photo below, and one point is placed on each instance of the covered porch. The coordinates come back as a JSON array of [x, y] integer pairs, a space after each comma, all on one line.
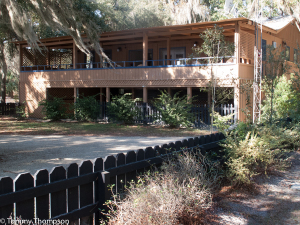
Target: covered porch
[[149, 47]]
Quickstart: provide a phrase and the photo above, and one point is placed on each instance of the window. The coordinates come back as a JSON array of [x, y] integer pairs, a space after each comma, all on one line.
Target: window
[[175, 53], [287, 53], [295, 55], [137, 56], [274, 44], [264, 49]]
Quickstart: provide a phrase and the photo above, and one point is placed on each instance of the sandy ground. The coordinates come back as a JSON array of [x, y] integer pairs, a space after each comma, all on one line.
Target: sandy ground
[[21, 153], [278, 201]]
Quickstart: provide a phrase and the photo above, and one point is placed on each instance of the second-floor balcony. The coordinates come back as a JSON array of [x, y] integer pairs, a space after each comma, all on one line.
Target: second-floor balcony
[[159, 47], [180, 62]]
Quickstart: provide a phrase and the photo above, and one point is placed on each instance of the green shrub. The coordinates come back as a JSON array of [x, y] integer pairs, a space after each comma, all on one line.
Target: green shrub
[[123, 109], [285, 101], [174, 111], [21, 111], [222, 122], [173, 195], [87, 108], [54, 109]]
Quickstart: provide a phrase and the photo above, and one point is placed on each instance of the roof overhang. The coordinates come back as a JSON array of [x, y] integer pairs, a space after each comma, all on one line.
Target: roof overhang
[[175, 32], [156, 34]]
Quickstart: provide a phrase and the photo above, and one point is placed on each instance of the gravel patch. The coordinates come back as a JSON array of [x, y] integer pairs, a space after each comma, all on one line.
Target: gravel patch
[[23, 153]]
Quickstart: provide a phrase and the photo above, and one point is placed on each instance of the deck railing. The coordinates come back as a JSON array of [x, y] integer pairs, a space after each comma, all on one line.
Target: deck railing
[[8, 108], [201, 61], [200, 114]]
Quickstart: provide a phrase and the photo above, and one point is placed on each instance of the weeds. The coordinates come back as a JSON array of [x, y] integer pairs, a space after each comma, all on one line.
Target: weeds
[[180, 191], [253, 149]]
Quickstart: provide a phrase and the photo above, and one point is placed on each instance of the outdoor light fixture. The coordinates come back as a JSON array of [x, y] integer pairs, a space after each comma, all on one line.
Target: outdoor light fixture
[[195, 44], [119, 49]]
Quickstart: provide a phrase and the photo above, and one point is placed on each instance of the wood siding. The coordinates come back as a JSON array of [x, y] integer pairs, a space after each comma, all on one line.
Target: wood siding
[[33, 84], [155, 77]]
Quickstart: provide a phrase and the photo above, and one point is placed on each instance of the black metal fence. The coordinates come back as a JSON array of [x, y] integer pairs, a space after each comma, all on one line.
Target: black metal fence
[[77, 194], [200, 113], [8, 108]]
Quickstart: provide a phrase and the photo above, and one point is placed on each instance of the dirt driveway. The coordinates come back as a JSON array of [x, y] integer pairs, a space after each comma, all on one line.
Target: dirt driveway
[[26, 153], [276, 203]]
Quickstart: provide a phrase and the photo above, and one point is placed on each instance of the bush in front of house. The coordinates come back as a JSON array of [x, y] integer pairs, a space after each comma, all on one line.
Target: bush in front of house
[[123, 109], [87, 108], [54, 108], [174, 111]]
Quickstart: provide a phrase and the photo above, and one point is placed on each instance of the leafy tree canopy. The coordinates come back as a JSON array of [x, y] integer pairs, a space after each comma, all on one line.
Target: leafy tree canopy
[[225, 9], [30, 20]]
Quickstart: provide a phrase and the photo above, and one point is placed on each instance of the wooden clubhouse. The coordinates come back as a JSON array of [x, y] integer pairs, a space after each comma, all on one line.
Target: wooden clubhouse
[[145, 61]]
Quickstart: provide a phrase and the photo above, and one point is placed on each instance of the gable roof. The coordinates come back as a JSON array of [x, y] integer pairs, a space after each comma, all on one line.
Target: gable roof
[[277, 23]]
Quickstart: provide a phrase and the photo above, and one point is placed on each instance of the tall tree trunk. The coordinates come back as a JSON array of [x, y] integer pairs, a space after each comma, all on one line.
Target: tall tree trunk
[[3, 72], [212, 97], [272, 97]]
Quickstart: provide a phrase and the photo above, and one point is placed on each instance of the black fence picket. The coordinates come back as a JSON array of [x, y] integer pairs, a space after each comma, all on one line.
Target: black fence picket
[[6, 187]]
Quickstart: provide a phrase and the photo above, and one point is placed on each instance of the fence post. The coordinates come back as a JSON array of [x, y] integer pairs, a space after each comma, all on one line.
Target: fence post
[[103, 183], [144, 113]]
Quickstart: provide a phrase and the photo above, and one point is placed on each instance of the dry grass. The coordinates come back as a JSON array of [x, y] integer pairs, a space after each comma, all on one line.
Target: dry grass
[[178, 194], [10, 125]]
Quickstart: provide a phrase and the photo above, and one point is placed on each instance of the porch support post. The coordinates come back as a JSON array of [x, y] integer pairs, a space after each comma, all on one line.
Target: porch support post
[[145, 94], [189, 93], [101, 96], [48, 56], [132, 93], [209, 98], [237, 42], [107, 94], [75, 94], [21, 56], [74, 55], [169, 91], [145, 48], [101, 60], [168, 51]]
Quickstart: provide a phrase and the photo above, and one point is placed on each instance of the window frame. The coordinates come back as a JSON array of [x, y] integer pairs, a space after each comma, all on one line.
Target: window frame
[[287, 56], [264, 49], [295, 55]]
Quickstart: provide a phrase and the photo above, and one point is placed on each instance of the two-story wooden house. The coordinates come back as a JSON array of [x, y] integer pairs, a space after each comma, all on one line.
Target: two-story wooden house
[[146, 60]]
